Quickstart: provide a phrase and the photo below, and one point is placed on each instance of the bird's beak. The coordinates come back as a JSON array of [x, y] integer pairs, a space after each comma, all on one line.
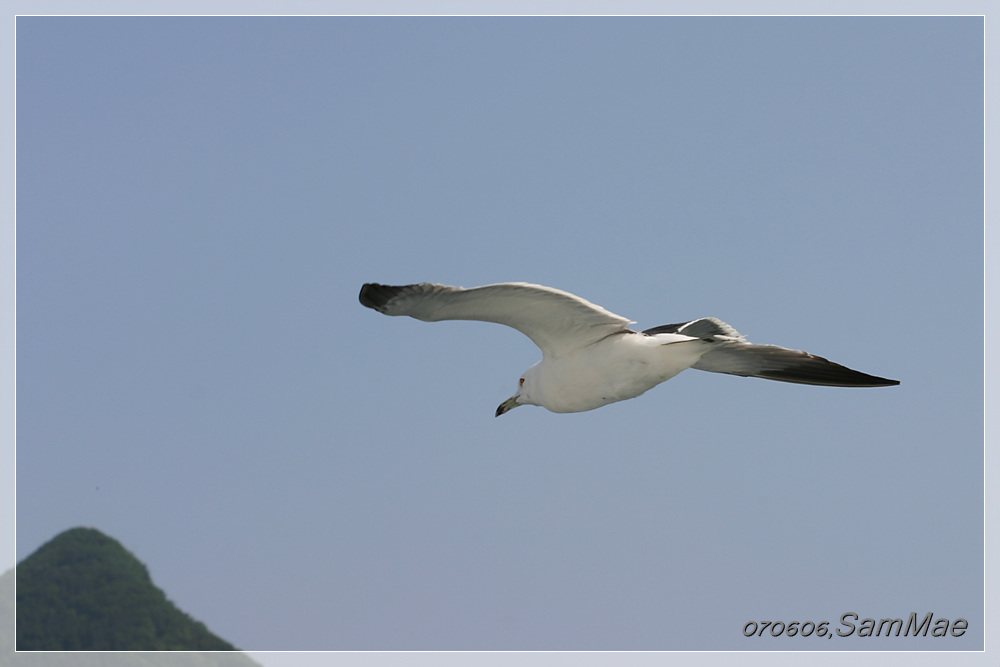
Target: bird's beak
[[507, 406]]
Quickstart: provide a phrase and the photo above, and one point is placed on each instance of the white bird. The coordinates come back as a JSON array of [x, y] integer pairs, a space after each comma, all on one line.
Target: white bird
[[591, 358]]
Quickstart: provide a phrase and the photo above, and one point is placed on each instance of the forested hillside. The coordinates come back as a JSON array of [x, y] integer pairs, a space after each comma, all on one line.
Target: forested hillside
[[83, 591]]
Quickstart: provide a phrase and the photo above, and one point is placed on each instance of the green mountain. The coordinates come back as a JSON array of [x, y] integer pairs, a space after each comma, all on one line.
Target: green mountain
[[83, 591]]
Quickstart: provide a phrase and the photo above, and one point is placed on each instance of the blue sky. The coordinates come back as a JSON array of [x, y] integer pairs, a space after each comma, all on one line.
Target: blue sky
[[200, 200]]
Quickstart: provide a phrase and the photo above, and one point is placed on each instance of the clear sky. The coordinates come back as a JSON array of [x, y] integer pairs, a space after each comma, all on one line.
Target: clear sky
[[200, 200]]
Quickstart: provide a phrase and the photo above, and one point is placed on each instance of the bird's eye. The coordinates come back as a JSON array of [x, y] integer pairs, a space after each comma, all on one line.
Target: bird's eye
[[520, 382]]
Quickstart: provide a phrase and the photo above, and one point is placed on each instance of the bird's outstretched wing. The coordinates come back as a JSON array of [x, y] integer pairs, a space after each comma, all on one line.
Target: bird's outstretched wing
[[557, 321], [779, 363]]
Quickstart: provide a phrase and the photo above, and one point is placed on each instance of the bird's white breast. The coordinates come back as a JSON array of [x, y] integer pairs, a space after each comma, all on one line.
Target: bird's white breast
[[614, 369]]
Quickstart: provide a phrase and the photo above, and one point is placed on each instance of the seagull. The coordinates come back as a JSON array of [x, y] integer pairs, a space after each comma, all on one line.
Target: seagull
[[590, 357]]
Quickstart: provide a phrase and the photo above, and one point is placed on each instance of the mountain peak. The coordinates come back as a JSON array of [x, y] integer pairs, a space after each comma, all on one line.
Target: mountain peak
[[83, 591]]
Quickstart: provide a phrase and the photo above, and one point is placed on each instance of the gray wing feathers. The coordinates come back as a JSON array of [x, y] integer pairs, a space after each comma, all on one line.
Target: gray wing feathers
[[555, 320], [778, 363]]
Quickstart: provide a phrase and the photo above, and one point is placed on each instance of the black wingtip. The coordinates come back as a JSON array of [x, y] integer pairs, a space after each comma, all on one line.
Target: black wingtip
[[375, 296], [849, 377], [873, 381], [365, 297], [826, 373]]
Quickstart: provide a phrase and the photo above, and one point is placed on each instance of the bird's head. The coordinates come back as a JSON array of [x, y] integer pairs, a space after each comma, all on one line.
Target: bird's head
[[525, 386]]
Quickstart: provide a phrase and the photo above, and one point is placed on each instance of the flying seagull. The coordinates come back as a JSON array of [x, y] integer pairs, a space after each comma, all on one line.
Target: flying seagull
[[589, 355]]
